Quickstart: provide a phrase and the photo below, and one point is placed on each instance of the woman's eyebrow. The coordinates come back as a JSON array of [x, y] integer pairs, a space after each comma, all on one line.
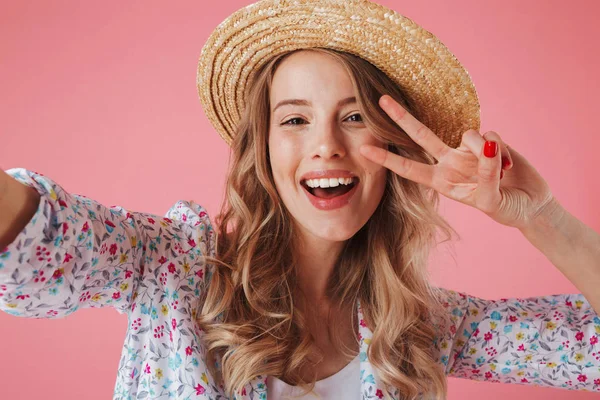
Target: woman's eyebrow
[[302, 102]]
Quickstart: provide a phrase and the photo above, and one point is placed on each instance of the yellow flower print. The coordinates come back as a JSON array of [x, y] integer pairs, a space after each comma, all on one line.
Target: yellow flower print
[[444, 345], [11, 305], [96, 297], [460, 343], [133, 241], [524, 314], [474, 311], [53, 194], [528, 357], [521, 373], [164, 224], [493, 325], [550, 325], [597, 327], [493, 367], [551, 365], [578, 304], [368, 341], [135, 294], [186, 267], [124, 286], [158, 374], [123, 258], [520, 336], [204, 378], [164, 310], [472, 350], [578, 357]]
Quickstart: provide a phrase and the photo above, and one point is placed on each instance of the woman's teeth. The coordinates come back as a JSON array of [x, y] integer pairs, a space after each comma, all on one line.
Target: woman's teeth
[[328, 182]]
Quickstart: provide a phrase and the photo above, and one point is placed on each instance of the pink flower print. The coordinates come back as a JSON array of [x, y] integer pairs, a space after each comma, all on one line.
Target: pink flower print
[[597, 381], [188, 351], [163, 278], [512, 318], [200, 273], [199, 389], [52, 313], [116, 295], [42, 253], [147, 369], [68, 258], [453, 329], [172, 268], [84, 297], [594, 340], [184, 217], [58, 273], [39, 277], [579, 336], [162, 260], [521, 348], [582, 378], [128, 274], [192, 242], [379, 394], [85, 228], [174, 323], [169, 220], [136, 324], [63, 203], [363, 323], [171, 336], [488, 375], [476, 332], [151, 220], [488, 336], [113, 249], [524, 380], [202, 214]]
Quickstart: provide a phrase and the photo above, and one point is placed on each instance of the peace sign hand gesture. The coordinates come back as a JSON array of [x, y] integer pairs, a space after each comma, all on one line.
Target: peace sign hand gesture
[[466, 174]]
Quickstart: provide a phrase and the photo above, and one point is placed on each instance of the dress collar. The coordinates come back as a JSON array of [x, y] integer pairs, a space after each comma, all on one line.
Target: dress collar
[[371, 386]]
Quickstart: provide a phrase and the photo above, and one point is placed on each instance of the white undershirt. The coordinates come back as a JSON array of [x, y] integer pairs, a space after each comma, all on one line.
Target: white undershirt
[[344, 384]]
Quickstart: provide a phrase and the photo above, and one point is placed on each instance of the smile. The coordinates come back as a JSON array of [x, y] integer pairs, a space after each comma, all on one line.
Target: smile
[[326, 196]]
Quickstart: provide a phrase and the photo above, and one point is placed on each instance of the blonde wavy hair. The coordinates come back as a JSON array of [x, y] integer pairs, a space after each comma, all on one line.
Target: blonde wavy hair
[[263, 331]]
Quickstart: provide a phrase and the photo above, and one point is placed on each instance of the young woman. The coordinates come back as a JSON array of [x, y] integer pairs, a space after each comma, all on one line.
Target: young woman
[[314, 275]]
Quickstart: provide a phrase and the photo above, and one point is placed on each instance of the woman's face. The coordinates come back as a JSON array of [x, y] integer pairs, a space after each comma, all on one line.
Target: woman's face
[[318, 137]]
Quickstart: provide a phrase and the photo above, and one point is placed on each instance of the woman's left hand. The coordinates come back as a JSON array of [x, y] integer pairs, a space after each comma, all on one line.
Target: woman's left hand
[[467, 175]]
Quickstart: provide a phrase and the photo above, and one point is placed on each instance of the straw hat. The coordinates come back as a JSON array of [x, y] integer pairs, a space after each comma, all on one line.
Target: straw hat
[[412, 57]]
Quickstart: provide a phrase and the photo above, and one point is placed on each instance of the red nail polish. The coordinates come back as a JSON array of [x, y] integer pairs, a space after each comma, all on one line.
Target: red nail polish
[[505, 162], [501, 173], [490, 149]]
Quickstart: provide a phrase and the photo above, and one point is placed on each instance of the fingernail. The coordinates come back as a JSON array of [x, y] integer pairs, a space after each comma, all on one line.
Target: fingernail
[[490, 149], [501, 173], [505, 162]]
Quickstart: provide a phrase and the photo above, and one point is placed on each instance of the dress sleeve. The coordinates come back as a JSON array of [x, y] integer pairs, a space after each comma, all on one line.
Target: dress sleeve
[[549, 341], [76, 253]]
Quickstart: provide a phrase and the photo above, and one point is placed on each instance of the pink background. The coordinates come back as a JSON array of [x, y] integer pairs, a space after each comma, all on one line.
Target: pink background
[[101, 97]]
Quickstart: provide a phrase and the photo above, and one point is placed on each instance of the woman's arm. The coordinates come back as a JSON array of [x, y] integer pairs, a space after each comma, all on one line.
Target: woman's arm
[[572, 246], [18, 203]]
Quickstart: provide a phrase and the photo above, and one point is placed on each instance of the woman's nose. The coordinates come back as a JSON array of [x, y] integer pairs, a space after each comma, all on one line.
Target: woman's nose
[[329, 143]]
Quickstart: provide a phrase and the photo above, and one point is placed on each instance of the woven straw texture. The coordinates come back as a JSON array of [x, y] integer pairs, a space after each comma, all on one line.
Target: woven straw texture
[[412, 57]]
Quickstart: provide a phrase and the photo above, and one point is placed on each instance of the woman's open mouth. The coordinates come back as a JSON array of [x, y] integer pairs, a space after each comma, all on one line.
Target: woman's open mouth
[[330, 197]]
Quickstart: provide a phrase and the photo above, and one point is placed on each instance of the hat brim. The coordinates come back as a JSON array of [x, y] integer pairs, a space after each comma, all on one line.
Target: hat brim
[[411, 56]]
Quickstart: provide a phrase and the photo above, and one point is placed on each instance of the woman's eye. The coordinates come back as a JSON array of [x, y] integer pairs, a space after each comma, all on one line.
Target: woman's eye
[[292, 119], [356, 115], [289, 121]]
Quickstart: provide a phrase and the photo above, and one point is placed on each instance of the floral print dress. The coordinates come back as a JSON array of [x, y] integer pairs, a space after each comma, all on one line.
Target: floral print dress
[[76, 253]]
